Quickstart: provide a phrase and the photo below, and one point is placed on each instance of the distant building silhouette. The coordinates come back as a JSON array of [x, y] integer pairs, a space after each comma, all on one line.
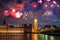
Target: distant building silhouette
[[27, 32], [4, 22]]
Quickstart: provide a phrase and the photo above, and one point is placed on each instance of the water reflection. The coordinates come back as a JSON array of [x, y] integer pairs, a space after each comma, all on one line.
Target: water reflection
[[52, 38], [19, 36], [48, 37], [34, 36]]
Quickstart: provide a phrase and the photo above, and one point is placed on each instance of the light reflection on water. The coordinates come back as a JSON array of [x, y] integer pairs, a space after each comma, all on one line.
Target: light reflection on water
[[18, 36], [48, 37]]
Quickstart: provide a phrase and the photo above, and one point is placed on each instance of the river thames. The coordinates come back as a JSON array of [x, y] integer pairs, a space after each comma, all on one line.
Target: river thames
[[19, 36]]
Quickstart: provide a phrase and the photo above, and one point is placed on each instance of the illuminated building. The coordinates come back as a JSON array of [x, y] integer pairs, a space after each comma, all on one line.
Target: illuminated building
[[35, 36], [35, 25]]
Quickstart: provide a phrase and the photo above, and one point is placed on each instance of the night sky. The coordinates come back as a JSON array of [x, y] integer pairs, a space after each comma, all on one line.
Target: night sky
[[46, 11]]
